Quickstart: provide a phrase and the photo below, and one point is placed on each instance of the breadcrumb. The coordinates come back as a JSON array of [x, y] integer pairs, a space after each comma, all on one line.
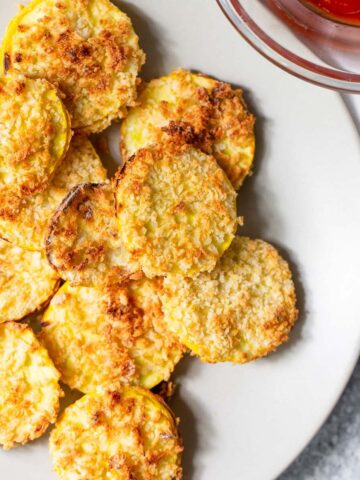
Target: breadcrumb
[[176, 210], [83, 242], [124, 433], [27, 225], [87, 48], [35, 134], [29, 388], [27, 282], [242, 310], [98, 336], [196, 109]]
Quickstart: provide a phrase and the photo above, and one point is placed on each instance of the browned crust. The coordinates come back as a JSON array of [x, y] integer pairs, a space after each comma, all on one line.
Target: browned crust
[[168, 229], [172, 146], [146, 451], [7, 62], [209, 127], [120, 173], [30, 157], [26, 225], [63, 207], [82, 241], [90, 70], [19, 406], [208, 118], [146, 155]]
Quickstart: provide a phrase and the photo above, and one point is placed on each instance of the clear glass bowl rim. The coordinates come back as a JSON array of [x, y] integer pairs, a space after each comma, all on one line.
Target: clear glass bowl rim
[[283, 58]]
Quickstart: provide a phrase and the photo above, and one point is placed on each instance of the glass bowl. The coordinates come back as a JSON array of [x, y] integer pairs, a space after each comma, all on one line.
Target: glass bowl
[[299, 40]]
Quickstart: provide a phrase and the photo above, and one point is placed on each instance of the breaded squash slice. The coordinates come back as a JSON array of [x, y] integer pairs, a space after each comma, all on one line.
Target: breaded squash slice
[[35, 135], [98, 336], [87, 48], [196, 109], [242, 310], [176, 210], [27, 282], [121, 434], [28, 223], [29, 386], [83, 242]]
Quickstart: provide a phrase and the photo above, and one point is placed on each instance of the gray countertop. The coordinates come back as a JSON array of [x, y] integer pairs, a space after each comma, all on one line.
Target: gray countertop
[[334, 454]]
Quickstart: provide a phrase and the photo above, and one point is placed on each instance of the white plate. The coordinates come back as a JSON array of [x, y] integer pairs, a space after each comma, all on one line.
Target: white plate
[[250, 421]]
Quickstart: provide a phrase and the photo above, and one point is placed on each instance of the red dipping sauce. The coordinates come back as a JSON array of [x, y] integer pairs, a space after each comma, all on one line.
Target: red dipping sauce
[[345, 11]]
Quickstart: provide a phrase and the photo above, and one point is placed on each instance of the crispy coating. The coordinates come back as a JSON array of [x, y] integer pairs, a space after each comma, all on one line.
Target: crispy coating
[[29, 388], [27, 282], [176, 209], [98, 336], [196, 109], [86, 47], [27, 224], [242, 310], [83, 242], [121, 434], [35, 133]]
